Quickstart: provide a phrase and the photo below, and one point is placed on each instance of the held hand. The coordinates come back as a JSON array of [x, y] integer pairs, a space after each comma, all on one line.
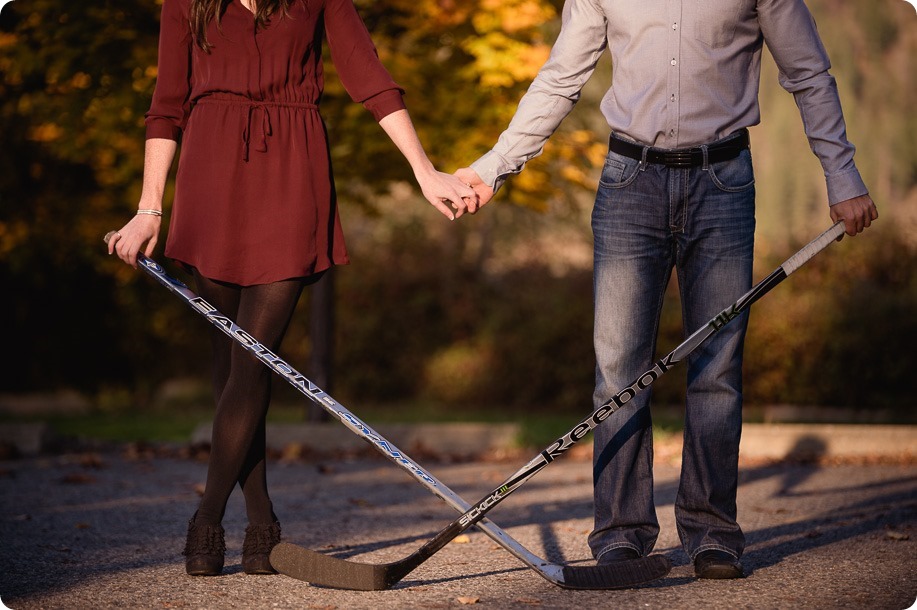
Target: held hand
[[129, 239], [857, 213], [483, 191], [443, 190]]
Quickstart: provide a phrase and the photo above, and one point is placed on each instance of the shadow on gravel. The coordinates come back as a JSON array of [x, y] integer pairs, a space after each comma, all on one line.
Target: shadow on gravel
[[878, 508], [64, 525]]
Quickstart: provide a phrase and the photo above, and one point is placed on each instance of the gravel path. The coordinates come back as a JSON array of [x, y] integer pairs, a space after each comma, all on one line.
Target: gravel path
[[105, 530]]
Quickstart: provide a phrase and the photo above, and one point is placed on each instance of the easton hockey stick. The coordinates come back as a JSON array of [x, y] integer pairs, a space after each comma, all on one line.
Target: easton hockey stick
[[621, 575], [320, 569]]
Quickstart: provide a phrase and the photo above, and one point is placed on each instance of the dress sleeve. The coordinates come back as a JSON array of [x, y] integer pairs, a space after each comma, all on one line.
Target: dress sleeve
[[354, 55], [171, 98]]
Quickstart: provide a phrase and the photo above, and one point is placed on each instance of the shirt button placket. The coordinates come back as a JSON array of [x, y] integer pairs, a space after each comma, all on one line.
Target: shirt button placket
[[257, 48], [674, 75]]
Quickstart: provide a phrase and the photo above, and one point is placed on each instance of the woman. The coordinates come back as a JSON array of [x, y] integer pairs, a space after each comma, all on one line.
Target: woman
[[254, 217]]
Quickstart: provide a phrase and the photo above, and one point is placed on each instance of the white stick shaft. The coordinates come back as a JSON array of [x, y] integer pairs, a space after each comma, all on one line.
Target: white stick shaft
[[814, 247]]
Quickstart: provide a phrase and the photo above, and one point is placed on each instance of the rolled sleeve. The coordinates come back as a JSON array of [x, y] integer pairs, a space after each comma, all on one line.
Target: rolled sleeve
[[357, 61], [171, 104], [158, 127], [385, 103]]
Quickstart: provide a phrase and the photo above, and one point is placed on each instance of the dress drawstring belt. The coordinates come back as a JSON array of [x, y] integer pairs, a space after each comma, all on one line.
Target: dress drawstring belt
[[261, 146], [263, 126]]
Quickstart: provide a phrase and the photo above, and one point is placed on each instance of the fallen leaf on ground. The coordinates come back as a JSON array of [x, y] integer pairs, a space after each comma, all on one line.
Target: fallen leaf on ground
[[91, 460], [291, 452], [462, 539], [467, 600], [77, 478], [893, 535]]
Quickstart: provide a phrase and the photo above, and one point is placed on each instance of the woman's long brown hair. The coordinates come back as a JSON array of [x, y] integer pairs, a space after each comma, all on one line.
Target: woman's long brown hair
[[202, 12]]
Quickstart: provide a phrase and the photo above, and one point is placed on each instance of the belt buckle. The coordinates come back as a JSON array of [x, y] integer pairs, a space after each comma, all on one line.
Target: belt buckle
[[679, 158]]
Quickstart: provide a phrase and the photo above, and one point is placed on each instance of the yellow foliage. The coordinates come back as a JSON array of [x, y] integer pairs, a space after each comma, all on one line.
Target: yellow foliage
[[501, 61], [46, 132], [507, 43], [437, 14], [512, 16], [573, 173], [80, 80], [12, 236]]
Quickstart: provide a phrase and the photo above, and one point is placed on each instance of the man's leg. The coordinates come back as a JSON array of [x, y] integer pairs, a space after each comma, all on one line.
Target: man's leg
[[714, 263], [633, 261]]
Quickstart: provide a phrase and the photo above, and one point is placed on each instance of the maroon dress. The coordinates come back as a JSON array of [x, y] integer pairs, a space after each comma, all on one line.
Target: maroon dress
[[254, 198]]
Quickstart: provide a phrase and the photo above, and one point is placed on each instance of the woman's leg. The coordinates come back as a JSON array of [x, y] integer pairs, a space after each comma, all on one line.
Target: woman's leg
[[242, 388]]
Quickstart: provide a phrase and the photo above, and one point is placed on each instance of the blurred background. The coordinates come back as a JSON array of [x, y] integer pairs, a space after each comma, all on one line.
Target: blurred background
[[487, 318]]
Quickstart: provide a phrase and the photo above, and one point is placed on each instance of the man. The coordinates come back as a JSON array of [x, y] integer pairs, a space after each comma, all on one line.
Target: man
[[677, 190]]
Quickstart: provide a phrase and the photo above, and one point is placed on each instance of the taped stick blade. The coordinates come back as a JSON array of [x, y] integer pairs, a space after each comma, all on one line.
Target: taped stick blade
[[325, 571], [619, 575]]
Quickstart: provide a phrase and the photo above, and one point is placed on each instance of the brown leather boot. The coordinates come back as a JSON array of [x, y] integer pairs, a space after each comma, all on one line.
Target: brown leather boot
[[204, 549], [713, 563], [260, 539]]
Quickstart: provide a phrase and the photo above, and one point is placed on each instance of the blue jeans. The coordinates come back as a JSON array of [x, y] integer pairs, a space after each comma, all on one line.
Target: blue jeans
[[648, 219]]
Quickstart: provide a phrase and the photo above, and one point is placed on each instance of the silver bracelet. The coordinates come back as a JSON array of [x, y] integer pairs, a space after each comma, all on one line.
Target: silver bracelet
[[150, 212]]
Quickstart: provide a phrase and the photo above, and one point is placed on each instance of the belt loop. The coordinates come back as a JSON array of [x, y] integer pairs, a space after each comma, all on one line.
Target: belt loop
[[643, 158], [706, 165]]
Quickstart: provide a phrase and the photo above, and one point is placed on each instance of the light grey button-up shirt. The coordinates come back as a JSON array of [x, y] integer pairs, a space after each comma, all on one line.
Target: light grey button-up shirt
[[685, 73]]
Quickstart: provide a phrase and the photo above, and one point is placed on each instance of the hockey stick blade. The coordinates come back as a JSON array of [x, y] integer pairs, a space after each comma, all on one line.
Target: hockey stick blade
[[618, 575], [553, 573], [339, 573], [325, 571]]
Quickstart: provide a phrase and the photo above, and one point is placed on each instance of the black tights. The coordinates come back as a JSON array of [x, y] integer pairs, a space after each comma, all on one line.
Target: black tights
[[242, 388]]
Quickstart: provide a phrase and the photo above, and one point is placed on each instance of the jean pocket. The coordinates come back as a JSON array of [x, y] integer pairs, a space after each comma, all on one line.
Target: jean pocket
[[619, 171], [734, 175]]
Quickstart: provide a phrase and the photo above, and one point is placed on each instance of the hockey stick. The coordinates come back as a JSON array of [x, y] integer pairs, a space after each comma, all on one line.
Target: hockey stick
[[316, 568], [624, 574]]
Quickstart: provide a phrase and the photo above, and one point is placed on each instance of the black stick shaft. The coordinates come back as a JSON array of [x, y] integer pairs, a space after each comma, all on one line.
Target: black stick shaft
[[578, 432]]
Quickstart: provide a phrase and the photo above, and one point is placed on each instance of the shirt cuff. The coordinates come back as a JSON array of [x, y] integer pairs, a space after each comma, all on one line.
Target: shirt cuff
[[162, 128], [493, 169], [383, 104], [845, 185]]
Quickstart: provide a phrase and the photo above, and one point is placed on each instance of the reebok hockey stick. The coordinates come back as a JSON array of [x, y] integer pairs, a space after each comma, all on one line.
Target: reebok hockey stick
[[319, 569], [625, 574]]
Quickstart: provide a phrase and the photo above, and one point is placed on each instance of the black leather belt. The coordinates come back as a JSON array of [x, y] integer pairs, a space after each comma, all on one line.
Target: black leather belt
[[683, 157]]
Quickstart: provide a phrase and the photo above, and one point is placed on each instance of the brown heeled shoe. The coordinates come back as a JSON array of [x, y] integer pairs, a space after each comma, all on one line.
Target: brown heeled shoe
[[205, 548], [260, 539]]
